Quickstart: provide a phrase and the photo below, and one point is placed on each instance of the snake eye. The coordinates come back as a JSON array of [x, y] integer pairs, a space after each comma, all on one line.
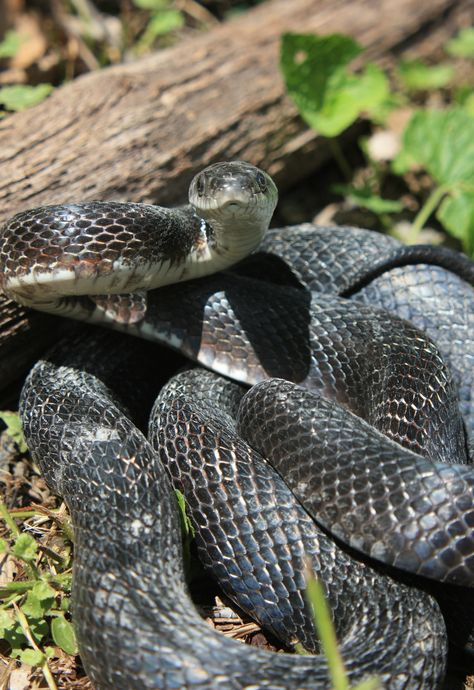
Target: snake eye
[[200, 185], [261, 181]]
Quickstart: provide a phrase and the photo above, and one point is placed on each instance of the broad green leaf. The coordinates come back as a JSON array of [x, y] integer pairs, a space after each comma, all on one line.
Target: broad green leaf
[[7, 621], [416, 76], [464, 96], [309, 61], [25, 547], [39, 628], [21, 96], [50, 652], [14, 429], [463, 44], [366, 199], [3, 546], [164, 22], [10, 44], [328, 96], [456, 213], [442, 142], [63, 635], [65, 604], [12, 632], [32, 657], [468, 104], [39, 600]]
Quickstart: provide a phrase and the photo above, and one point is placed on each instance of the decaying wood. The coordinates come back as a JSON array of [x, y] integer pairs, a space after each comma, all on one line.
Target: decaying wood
[[140, 131]]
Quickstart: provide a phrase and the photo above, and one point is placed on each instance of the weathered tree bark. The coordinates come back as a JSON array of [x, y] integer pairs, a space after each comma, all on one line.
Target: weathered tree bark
[[140, 131]]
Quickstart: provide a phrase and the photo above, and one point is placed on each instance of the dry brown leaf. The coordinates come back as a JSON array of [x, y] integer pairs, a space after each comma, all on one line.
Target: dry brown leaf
[[20, 678]]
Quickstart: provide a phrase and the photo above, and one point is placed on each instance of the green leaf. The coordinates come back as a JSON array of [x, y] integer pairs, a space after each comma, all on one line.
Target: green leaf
[[38, 628], [10, 45], [50, 652], [416, 76], [187, 531], [468, 104], [456, 213], [366, 199], [186, 524], [65, 604], [3, 546], [7, 622], [442, 142], [14, 429], [164, 22], [463, 44], [380, 112], [32, 657], [25, 547], [39, 600], [328, 96], [152, 5], [22, 96], [464, 96], [12, 632], [63, 635]]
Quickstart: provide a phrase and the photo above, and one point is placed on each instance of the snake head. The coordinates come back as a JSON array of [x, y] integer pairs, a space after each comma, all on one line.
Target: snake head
[[235, 190]]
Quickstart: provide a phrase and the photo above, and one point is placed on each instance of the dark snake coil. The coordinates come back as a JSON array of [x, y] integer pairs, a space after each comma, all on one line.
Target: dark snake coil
[[369, 446]]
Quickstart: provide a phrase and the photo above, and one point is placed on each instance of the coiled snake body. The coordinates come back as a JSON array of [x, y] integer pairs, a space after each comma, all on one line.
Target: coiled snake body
[[374, 444]]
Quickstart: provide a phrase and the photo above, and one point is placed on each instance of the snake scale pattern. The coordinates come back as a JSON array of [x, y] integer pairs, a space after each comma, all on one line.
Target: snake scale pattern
[[351, 449]]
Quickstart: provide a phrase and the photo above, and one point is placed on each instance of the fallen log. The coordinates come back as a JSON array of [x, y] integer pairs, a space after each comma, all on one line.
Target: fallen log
[[140, 131]]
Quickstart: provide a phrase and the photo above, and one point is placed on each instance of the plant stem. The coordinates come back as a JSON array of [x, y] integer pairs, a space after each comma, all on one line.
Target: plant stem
[[425, 212], [340, 159], [29, 636], [326, 632]]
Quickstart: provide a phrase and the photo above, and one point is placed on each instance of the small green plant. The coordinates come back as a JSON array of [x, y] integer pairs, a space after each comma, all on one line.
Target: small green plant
[[462, 45], [34, 607], [22, 96], [187, 532], [415, 75], [14, 429], [442, 142], [164, 19], [330, 98], [10, 45], [327, 636]]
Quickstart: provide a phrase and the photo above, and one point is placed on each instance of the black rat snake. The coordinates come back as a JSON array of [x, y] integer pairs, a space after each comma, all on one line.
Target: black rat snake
[[372, 381]]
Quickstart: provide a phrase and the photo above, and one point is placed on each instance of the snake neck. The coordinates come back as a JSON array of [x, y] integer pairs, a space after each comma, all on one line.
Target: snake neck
[[224, 243]]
